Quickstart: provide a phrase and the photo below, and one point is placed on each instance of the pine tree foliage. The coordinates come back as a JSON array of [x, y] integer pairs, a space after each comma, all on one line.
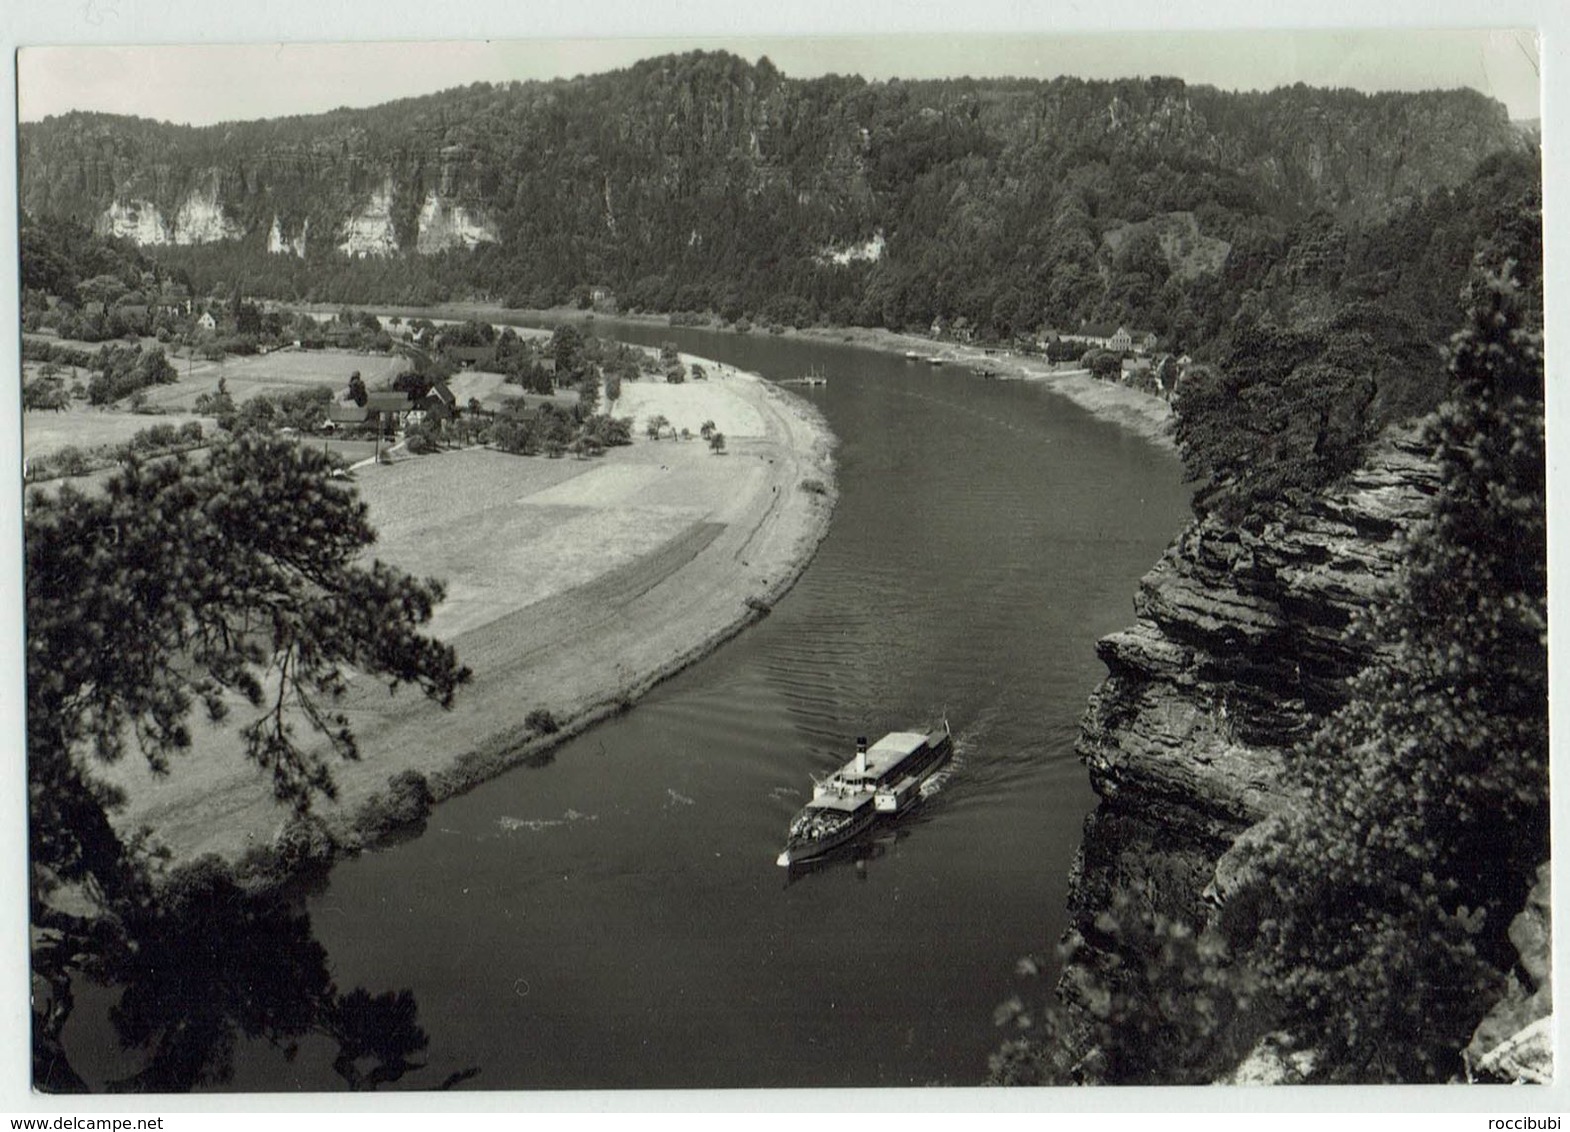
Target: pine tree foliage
[[175, 585], [180, 585]]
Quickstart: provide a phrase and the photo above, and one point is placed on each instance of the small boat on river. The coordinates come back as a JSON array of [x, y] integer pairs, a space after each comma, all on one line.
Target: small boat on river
[[884, 779]]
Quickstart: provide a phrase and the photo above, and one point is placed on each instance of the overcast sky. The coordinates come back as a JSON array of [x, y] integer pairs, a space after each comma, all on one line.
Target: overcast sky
[[202, 84]]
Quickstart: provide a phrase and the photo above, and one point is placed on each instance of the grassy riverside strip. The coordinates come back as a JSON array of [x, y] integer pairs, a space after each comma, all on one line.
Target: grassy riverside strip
[[574, 586]]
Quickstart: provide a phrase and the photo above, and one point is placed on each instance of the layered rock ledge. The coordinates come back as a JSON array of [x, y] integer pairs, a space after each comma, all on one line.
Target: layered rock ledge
[[1238, 651]]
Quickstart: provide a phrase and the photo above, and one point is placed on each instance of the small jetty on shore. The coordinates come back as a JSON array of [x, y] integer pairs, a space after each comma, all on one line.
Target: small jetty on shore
[[813, 377]]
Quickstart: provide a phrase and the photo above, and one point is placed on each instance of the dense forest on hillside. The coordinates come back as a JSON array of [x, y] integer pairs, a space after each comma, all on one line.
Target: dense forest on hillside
[[703, 182]]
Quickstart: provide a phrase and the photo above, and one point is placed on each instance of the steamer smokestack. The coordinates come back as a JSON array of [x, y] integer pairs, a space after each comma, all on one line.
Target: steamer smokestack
[[861, 754]]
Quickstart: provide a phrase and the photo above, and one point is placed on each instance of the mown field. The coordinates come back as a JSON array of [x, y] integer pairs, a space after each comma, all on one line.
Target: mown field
[[278, 372], [85, 426], [82, 426], [690, 404]]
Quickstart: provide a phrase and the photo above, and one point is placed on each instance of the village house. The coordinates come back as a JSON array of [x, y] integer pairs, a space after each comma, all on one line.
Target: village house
[[518, 411], [1093, 334], [1140, 341], [471, 357], [345, 416], [206, 321], [437, 405], [388, 409]]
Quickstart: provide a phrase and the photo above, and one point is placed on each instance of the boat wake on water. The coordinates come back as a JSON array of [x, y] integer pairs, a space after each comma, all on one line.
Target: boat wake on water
[[964, 743]]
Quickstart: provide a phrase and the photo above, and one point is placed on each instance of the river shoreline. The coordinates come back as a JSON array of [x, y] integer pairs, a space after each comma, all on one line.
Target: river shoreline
[[601, 579], [1147, 417]]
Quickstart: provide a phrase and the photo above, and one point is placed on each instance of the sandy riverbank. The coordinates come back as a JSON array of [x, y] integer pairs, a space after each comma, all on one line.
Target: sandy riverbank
[[573, 587]]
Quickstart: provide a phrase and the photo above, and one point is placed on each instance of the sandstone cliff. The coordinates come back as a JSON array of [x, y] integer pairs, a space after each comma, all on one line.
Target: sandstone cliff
[[1239, 651]]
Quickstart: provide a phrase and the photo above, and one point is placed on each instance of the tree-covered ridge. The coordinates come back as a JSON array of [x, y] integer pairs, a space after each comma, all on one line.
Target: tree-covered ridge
[[707, 183], [1334, 336]]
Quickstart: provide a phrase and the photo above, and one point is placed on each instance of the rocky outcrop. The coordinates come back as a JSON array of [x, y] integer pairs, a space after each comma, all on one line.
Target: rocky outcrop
[[446, 224], [279, 244], [369, 231], [1515, 1042], [138, 220], [201, 218], [1238, 651]]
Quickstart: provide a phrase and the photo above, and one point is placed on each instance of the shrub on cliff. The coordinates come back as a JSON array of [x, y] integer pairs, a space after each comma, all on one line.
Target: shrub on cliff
[[1282, 415], [1160, 1002]]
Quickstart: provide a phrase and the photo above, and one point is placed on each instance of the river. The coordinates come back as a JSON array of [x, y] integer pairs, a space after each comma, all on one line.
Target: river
[[614, 918]]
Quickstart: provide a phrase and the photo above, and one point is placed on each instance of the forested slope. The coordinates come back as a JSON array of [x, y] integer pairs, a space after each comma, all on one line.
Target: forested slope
[[705, 182]]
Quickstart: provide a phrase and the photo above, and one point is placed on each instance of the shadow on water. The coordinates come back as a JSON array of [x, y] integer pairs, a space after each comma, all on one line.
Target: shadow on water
[[213, 967], [859, 856]]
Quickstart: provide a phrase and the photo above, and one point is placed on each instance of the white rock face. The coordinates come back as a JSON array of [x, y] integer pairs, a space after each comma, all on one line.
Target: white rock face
[[446, 224], [277, 245], [871, 251], [201, 219], [138, 219], [370, 231]]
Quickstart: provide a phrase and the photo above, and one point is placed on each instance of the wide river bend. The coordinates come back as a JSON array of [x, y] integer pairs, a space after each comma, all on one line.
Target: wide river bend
[[615, 917]]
